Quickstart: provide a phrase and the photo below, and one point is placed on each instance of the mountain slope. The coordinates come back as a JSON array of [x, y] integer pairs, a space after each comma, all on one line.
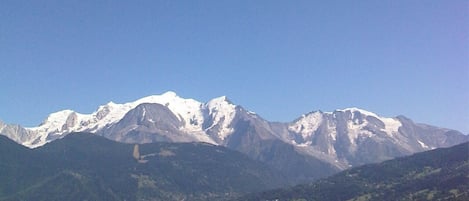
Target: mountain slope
[[94, 168], [15, 132], [353, 137], [440, 174], [318, 143], [15, 166], [253, 136]]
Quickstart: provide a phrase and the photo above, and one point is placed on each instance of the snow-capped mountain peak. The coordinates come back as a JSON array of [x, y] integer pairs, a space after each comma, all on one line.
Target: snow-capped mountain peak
[[353, 123], [307, 124], [57, 118], [354, 110], [221, 101], [222, 113], [390, 127], [190, 112], [187, 110], [55, 122]]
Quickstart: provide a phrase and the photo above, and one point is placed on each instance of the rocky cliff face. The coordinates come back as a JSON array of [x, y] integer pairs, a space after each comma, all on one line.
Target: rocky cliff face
[[352, 137], [14, 132], [148, 122]]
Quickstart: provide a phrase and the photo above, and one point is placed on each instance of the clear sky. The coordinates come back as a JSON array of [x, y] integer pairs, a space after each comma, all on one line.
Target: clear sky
[[279, 59]]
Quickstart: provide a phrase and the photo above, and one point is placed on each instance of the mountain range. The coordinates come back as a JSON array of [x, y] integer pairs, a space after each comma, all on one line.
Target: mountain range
[[313, 146], [85, 166]]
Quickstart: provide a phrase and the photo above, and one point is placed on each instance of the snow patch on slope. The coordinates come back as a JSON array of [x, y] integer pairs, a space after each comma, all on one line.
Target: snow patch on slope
[[356, 130], [307, 124], [391, 125], [423, 145]]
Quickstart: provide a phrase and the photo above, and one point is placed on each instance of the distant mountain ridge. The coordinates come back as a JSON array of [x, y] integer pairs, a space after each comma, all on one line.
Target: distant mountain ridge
[[325, 142], [440, 174]]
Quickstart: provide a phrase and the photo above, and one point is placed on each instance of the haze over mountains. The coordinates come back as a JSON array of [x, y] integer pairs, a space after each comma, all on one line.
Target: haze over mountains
[[325, 142]]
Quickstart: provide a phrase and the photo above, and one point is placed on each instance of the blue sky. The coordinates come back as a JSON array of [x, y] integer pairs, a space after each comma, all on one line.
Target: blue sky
[[278, 58]]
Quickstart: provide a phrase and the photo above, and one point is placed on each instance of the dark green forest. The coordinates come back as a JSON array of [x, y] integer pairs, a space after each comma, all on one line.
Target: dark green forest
[[84, 166], [88, 167], [440, 174]]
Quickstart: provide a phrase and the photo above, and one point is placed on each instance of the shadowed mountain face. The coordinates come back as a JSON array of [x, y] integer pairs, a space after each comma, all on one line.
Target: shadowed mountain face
[[88, 167], [318, 143], [440, 174], [148, 122]]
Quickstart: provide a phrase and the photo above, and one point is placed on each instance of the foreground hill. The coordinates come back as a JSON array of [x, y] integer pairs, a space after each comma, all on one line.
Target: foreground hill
[[84, 166], [441, 174]]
